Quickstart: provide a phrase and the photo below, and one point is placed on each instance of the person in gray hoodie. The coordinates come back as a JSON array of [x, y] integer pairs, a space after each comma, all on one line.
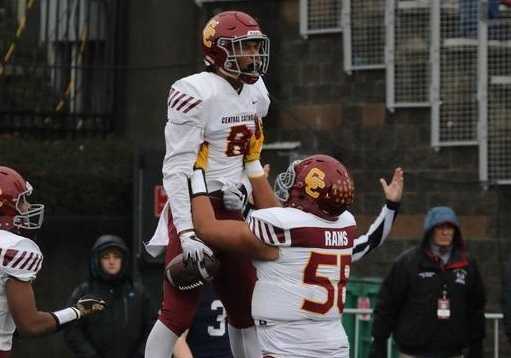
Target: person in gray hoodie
[[433, 299]]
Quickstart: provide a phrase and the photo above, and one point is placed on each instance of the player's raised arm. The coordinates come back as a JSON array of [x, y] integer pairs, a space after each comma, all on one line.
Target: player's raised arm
[[227, 235], [382, 225]]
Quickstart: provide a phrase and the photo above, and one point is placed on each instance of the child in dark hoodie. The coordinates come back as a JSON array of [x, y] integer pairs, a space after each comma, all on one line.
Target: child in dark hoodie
[[120, 331]]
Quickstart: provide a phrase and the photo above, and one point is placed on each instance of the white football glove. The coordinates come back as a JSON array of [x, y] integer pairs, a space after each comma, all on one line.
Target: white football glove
[[235, 196], [193, 247]]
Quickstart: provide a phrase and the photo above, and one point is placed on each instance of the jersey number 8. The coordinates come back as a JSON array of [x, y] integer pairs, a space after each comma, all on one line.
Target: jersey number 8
[[237, 140]]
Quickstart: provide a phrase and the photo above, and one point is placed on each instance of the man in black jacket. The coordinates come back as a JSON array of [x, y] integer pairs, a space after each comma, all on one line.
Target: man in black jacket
[[120, 331], [433, 299]]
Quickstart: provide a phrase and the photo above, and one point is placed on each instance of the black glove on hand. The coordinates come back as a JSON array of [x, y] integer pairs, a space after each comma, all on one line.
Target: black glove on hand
[[90, 304], [378, 349]]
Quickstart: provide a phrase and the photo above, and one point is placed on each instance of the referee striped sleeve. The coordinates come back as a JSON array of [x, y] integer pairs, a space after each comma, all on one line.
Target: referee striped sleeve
[[377, 233]]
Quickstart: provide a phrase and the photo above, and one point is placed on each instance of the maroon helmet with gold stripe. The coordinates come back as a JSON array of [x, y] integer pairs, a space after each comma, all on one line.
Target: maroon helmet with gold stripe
[[319, 184], [222, 45]]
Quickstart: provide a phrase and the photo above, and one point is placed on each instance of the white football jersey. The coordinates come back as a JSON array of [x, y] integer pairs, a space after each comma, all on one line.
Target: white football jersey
[[308, 280], [302, 293], [205, 107], [226, 117], [20, 258]]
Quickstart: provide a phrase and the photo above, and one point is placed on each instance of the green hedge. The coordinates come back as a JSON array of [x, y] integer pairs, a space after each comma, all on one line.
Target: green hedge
[[75, 177]]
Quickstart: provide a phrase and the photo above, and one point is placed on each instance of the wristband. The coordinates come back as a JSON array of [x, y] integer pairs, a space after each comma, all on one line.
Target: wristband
[[66, 315], [183, 235], [198, 183], [254, 169], [392, 205]]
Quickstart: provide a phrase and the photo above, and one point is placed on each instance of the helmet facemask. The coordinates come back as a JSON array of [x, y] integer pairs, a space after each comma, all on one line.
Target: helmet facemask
[[285, 181], [235, 50], [30, 216]]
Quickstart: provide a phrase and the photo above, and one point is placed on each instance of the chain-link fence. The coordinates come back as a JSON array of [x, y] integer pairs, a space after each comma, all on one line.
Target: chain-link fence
[[320, 16], [455, 71], [499, 99], [363, 34], [57, 70], [408, 28]]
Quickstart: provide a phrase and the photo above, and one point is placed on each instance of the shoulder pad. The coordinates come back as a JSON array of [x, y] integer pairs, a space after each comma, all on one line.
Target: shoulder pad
[[186, 99], [267, 230], [20, 258], [290, 218], [263, 103]]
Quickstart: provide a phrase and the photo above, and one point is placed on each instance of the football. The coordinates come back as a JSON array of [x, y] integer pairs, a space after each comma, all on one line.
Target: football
[[186, 275]]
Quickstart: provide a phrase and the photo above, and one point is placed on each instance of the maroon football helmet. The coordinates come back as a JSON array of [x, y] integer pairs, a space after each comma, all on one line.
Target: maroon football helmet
[[223, 44], [319, 184], [15, 211]]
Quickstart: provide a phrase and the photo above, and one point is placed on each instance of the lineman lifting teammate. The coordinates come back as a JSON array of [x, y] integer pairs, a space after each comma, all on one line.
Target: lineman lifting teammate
[[218, 107], [20, 261], [299, 297]]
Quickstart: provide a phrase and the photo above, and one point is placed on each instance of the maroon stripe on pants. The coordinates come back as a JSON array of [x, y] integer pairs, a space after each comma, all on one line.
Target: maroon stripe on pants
[[5, 354]]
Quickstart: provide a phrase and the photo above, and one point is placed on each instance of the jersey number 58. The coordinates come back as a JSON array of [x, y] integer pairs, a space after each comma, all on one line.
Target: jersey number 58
[[336, 289]]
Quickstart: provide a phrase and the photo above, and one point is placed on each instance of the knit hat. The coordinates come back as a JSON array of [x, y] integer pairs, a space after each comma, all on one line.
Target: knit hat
[[440, 215]]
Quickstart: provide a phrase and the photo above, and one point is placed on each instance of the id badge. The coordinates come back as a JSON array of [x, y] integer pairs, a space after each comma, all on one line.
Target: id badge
[[443, 311]]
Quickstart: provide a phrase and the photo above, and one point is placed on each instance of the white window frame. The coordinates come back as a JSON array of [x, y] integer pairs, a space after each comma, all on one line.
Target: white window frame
[[304, 21]]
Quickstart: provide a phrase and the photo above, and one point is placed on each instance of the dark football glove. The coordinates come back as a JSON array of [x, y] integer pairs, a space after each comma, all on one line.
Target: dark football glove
[[89, 304]]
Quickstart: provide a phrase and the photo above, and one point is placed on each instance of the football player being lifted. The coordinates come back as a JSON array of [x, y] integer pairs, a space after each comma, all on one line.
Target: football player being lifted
[[299, 296], [219, 107], [20, 261]]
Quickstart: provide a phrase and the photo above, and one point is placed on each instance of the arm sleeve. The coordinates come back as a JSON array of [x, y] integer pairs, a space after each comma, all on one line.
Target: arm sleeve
[[184, 133], [477, 303], [377, 233], [74, 333], [391, 298], [506, 300]]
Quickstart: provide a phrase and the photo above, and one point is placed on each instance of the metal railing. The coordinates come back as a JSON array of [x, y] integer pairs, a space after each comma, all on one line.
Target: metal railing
[[57, 71], [358, 312]]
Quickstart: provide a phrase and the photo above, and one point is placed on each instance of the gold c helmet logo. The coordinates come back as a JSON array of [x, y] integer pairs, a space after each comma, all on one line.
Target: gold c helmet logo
[[313, 181], [208, 32]]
